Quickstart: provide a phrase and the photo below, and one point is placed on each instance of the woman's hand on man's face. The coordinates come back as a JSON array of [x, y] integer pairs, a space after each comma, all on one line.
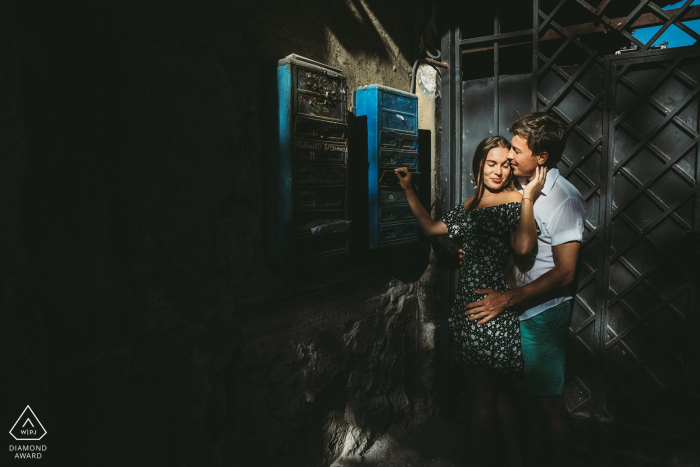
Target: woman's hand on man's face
[[534, 187]]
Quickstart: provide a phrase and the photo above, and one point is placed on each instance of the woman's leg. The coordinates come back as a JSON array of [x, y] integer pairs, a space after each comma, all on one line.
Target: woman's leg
[[508, 418], [482, 391]]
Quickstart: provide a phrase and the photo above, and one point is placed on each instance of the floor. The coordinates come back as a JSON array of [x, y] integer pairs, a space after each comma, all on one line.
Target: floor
[[435, 442]]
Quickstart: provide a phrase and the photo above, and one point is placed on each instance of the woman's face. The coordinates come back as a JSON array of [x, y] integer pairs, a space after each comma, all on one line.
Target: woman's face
[[496, 169]]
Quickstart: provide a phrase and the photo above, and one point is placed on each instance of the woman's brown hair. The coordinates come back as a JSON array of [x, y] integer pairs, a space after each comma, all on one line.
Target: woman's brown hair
[[478, 162], [480, 155]]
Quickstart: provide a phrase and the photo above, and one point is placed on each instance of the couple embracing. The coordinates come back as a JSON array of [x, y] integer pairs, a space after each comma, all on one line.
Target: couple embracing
[[520, 234]]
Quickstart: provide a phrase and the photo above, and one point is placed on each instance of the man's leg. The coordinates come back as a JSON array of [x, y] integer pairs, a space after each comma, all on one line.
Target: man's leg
[[544, 339], [531, 426], [557, 427]]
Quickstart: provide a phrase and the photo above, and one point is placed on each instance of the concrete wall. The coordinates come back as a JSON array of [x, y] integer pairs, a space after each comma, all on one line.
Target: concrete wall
[[140, 320]]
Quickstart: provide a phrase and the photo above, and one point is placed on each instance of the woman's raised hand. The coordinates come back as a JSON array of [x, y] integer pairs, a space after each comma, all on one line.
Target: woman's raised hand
[[404, 177], [533, 188]]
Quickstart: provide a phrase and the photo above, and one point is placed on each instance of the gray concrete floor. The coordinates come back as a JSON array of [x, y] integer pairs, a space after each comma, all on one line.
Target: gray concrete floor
[[434, 442]]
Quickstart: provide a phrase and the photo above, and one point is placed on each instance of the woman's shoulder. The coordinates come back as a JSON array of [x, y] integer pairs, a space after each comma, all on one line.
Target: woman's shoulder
[[512, 196], [468, 202]]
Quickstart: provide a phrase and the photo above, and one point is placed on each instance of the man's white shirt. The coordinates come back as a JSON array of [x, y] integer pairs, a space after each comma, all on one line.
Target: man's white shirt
[[560, 212]]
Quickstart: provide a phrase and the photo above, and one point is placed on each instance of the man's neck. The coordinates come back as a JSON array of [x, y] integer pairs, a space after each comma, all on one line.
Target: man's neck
[[526, 178]]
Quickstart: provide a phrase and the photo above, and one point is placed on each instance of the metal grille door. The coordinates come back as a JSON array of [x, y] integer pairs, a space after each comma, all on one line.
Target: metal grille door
[[632, 152], [652, 202]]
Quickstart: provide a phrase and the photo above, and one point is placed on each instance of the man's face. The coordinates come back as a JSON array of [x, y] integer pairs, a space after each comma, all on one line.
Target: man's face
[[522, 161]]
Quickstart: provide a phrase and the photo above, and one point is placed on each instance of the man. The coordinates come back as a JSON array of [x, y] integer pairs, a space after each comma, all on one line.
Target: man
[[543, 276]]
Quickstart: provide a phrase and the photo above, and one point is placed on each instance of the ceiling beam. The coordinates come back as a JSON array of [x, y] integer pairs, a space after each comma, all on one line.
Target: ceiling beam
[[644, 21]]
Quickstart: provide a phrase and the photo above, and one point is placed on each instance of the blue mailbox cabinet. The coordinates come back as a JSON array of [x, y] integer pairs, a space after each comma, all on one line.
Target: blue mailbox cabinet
[[307, 165], [392, 141]]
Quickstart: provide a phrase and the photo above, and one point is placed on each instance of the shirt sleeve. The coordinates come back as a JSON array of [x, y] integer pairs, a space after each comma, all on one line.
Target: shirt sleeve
[[454, 220], [566, 225]]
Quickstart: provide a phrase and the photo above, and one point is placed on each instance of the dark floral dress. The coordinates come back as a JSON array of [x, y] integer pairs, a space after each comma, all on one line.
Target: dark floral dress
[[485, 237]]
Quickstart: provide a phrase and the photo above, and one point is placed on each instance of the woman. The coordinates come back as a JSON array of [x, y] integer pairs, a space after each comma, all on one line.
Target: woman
[[495, 223]]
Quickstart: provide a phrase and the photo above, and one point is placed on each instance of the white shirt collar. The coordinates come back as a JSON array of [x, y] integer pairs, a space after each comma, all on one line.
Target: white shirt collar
[[552, 176]]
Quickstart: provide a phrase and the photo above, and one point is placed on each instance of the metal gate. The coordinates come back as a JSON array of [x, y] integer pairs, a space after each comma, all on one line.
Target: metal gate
[[632, 152]]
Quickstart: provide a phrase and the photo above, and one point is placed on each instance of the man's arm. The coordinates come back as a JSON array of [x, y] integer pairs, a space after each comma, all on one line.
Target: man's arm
[[565, 257]]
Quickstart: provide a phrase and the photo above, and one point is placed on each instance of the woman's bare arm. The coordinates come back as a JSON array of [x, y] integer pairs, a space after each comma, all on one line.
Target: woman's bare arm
[[524, 238], [427, 224]]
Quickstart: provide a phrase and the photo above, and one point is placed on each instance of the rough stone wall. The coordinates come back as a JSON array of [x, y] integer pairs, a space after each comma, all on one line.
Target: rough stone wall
[[137, 305]]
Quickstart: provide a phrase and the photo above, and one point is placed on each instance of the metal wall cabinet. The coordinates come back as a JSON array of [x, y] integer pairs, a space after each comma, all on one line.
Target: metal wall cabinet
[[308, 214], [392, 141]]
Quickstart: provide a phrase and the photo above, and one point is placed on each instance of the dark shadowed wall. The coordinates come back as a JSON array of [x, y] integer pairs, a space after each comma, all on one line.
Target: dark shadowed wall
[[140, 318]]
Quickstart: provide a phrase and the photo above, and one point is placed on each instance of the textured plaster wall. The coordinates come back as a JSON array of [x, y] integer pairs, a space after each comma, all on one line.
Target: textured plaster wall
[[138, 310]]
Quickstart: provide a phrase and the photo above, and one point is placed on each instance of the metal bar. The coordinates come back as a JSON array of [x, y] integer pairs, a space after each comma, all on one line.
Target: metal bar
[[646, 400], [559, 29], [593, 233], [676, 120], [496, 89], [496, 37], [620, 295], [604, 244], [648, 286], [654, 224], [649, 90], [576, 129], [604, 19], [584, 304], [632, 39], [547, 19], [575, 165], [446, 200], [601, 7], [652, 19], [535, 52], [502, 46], [581, 405], [665, 346], [594, 188], [456, 186], [581, 69], [584, 323], [648, 327], [644, 21], [651, 196], [662, 157], [556, 54], [643, 188], [692, 369], [586, 110], [435, 62], [665, 15], [565, 76], [668, 24], [633, 15], [659, 251], [639, 320], [653, 133]]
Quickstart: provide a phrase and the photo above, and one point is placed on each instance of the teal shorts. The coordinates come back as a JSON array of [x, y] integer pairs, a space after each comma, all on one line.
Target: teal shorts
[[544, 338]]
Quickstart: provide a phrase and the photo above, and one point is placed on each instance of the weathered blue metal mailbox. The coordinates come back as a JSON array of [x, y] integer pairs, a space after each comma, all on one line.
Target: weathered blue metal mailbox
[[308, 163], [392, 141]]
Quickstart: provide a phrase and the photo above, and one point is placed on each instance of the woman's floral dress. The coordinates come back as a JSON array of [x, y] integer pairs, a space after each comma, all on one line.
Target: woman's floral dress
[[485, 237]]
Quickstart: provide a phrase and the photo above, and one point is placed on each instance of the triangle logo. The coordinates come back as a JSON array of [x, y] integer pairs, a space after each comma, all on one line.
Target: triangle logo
[[28, 427]]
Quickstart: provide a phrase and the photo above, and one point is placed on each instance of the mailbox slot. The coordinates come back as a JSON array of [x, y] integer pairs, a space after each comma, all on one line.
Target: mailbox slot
[[307, 166], [392, 141]]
